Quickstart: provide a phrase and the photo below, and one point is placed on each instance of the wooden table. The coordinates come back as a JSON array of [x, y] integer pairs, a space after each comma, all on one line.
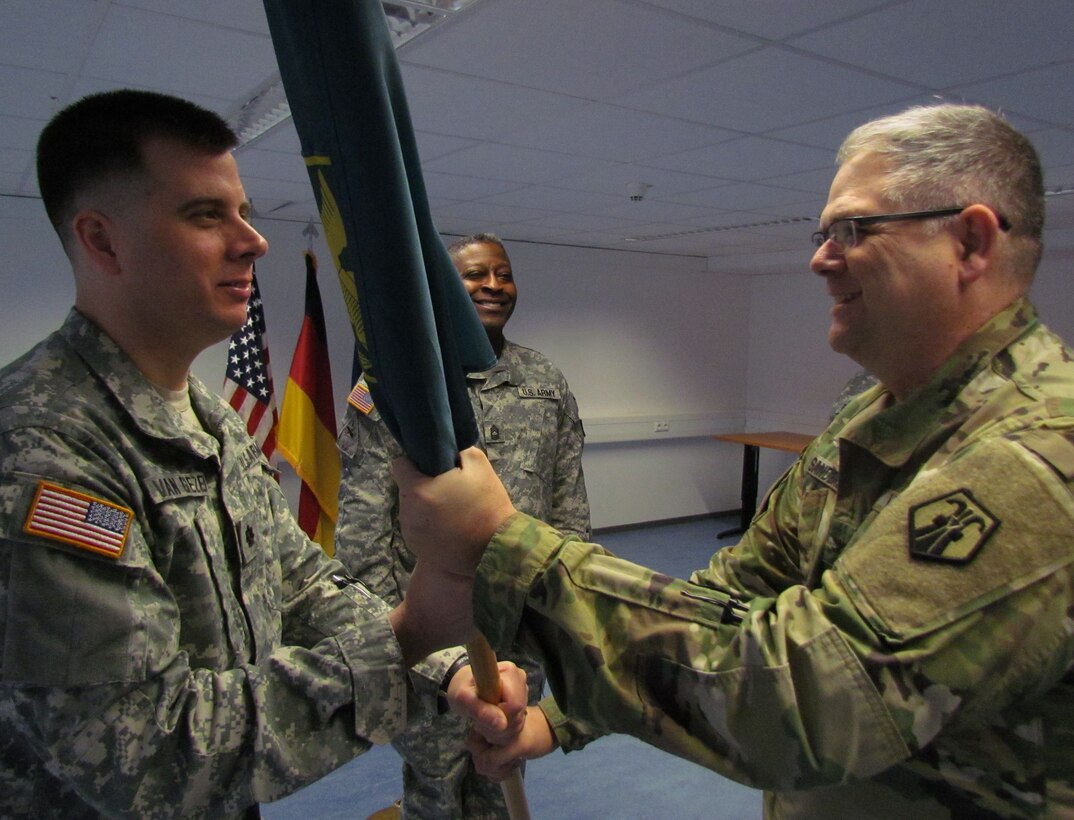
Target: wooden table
[[752, 442]]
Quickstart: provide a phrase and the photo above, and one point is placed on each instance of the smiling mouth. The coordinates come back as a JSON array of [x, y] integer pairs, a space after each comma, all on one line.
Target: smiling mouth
[[244, 285]]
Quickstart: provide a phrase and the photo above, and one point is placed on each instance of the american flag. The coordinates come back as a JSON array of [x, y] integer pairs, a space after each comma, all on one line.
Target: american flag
[[248, 381], [76, 518], [360, 398]]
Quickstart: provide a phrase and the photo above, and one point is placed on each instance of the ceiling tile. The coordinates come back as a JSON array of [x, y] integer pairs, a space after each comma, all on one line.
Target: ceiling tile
[[47, 34], [771, 19], [178, 55], [593, 50], [504, 162], [455, 105], [533, 118], [741, 94], [942, 43], [617, 133], [747, 159]]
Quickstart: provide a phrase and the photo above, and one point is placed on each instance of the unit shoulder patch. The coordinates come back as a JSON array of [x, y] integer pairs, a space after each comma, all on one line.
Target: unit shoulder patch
[[966, 533], [952, 527], [81, 520]]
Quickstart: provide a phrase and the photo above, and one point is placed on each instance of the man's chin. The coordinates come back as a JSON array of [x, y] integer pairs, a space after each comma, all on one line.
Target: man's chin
[[493, 325], [841, 341]]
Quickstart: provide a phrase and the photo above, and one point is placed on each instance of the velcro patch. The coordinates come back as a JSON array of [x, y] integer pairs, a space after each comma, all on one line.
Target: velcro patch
[[360, 399], [903, 596], [81, 520], [950, 528]]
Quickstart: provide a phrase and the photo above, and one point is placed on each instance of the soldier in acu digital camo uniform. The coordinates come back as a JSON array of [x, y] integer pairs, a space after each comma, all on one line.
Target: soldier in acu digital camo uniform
[[530, 429], [173, 645], [893, 636]]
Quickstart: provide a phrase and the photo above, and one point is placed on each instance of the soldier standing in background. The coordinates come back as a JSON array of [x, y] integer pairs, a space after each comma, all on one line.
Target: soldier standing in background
[[530, 430]]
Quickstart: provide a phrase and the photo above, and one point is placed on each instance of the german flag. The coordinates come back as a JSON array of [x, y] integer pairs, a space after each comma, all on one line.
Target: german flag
[[307, 432]]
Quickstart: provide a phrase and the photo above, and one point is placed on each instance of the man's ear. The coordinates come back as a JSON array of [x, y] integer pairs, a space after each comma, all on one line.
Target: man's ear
[[94, 235], [977, 232]]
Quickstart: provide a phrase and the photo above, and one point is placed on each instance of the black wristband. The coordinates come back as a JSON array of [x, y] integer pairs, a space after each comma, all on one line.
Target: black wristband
[[442, 707]]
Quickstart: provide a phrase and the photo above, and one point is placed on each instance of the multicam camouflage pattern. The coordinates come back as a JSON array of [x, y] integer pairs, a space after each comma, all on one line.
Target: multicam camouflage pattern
[[893, 636], [214, 663], [529, 426]]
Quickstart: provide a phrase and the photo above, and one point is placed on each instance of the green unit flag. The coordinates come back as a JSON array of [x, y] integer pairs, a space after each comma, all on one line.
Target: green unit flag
[[415, 328]]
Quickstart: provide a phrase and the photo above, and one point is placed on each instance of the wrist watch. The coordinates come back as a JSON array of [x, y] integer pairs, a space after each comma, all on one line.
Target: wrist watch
[[442, 707]]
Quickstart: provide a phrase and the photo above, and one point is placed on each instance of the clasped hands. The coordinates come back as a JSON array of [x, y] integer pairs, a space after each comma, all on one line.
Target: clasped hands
[[503, 734]]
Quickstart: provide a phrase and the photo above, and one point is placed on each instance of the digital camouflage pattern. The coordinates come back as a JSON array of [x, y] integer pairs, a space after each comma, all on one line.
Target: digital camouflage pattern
[[893, 636], [212, 663], [528, 421], [858, 383]]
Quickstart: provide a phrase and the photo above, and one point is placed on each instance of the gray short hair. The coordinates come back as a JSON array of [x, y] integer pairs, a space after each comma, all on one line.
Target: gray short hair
[[950, 154], [475, 239]]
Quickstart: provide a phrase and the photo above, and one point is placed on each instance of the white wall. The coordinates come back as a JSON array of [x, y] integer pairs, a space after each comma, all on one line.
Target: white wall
[[793, 375], [639, 336], [642, 336]]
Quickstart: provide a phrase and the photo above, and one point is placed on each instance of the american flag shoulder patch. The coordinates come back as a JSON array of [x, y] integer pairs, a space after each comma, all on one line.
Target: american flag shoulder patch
[[360, 398], [76, 518]]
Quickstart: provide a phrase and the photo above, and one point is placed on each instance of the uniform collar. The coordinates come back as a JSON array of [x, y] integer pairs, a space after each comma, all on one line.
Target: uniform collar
[[507, 369], [893, 432], [133, 391]]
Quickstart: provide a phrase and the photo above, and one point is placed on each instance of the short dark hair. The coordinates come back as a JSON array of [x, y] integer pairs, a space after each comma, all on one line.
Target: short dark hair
[[102, 135], [475, 239]]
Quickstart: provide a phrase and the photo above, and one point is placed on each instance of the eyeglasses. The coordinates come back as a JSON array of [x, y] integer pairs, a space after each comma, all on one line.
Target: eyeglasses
[[844, 232]]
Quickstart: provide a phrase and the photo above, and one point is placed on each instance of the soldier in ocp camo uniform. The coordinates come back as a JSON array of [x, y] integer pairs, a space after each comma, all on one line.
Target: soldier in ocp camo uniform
[[172, 643], [893, 637], [530, 429]]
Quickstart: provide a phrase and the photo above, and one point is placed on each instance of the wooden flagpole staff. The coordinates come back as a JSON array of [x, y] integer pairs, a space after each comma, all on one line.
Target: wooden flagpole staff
[[487, 676]]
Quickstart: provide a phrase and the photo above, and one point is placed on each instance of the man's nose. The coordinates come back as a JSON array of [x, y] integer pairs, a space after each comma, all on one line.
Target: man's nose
[[826, 259]]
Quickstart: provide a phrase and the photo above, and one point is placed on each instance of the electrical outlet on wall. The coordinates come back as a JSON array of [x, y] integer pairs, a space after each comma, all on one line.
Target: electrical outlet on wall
[[662, 427]]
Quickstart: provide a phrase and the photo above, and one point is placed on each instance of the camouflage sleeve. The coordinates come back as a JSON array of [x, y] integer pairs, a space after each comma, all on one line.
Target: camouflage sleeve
[[570, 502], [810, 686], [677, 665], [95, 672], [368, 541], [768, 557]]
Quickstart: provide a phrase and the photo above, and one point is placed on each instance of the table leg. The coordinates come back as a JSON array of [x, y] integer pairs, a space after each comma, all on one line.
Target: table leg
[[750, 468]]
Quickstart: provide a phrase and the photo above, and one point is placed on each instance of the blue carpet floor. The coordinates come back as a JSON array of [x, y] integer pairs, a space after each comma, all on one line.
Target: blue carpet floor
[[615, 777]]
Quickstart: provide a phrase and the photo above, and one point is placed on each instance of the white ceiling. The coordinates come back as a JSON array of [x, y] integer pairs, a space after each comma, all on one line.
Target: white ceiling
[[534, 116]]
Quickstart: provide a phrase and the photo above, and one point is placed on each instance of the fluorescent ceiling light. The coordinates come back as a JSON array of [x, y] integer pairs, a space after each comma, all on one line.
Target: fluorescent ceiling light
[[266, 107]]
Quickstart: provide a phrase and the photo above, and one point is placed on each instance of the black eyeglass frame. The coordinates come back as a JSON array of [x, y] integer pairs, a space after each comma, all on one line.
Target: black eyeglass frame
[[855, 222]]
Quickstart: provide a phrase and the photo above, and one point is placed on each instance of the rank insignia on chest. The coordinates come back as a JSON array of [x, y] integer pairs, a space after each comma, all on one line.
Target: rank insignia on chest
[[81, 520], [950, 528], [494, 433]]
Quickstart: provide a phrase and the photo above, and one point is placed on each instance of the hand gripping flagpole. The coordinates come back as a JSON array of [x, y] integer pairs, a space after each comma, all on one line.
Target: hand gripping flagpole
[[416, 331], [487, 676]]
